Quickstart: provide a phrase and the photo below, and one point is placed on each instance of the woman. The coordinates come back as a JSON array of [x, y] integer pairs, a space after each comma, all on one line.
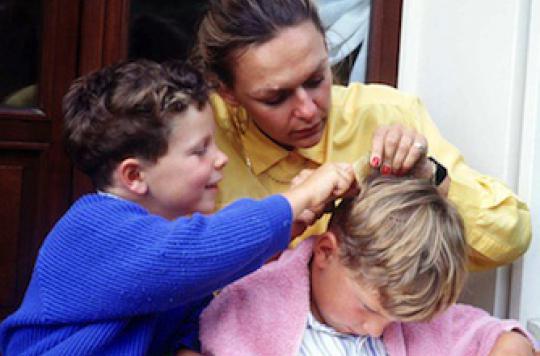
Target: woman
[[278, 113]]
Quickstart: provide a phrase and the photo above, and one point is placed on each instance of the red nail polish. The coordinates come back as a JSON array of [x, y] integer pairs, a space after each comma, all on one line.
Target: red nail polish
[[375, 161], [386, 170]]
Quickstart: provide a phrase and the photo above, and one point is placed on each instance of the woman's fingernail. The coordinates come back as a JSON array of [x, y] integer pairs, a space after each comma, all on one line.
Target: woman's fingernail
[[386, 170], [375, 161]]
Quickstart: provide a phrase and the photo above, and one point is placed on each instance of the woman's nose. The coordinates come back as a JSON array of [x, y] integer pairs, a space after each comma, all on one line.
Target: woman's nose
[[305, 105]]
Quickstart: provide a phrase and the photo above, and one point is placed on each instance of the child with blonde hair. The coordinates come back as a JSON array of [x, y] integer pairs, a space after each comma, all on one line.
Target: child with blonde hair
[[142, 252], [383, 279]]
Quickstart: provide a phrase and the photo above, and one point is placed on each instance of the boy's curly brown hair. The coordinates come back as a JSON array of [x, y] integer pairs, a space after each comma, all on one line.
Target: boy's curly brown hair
[[125, 111]]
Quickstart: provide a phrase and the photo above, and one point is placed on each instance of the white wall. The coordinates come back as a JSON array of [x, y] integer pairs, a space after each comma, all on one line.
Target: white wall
[[525, 301], [468, 61]]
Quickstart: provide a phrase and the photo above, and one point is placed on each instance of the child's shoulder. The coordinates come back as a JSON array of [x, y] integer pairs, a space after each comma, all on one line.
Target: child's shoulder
[[456, 316], [100, 203], [459, 319], [94, 212]]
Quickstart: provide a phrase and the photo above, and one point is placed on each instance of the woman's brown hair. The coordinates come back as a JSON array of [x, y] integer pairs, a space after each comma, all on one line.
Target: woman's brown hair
[[231, 26]]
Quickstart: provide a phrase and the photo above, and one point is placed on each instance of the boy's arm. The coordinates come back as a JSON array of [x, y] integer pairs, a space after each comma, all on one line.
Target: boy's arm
[[186, 352], [513, 343], [188, 344], [467, 330], [138, 263]]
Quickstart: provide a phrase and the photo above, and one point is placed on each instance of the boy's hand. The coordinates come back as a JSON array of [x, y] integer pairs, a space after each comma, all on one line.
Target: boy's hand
[[513, 343], [302, 222], [312, 189], [186, 352]]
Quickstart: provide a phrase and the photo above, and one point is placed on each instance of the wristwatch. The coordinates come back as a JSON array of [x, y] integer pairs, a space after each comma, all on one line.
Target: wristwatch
[[439, 172]]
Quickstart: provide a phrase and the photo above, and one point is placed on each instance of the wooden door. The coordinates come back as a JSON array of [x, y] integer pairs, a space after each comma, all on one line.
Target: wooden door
[[35, 173], [64, 39], [384, 35]]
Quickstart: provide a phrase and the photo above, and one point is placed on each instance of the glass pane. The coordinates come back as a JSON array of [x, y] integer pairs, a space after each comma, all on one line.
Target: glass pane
[[20, 41], [166, 29], [347, 33], [162, 30]]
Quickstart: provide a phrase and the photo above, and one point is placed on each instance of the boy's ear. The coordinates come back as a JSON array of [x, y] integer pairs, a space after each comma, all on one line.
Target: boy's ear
[[130, 175], [325, 248], [227, 94]]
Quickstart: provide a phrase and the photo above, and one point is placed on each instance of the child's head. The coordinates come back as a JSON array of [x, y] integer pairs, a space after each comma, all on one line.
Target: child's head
[[145, 132], [396, 252]]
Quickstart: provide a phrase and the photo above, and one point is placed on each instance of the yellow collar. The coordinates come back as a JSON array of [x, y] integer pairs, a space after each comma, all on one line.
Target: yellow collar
[[262, 153]]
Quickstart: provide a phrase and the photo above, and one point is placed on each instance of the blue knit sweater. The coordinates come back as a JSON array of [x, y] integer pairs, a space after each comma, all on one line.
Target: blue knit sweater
[[112, 279]]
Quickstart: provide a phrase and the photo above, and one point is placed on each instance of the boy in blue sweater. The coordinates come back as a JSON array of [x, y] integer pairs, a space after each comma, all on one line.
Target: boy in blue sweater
[[124, 265]]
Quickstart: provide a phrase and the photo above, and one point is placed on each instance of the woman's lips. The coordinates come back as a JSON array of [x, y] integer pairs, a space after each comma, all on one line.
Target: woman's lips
[[310, 131]]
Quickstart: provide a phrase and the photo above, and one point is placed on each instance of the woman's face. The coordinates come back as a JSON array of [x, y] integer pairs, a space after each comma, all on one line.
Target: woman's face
[[284, 84]]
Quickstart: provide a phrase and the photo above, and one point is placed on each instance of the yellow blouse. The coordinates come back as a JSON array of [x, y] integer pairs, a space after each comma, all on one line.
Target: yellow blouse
[[497, 223]]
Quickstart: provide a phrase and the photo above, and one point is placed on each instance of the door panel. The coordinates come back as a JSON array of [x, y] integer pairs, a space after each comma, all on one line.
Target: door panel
[[35, 174], [20, 169]]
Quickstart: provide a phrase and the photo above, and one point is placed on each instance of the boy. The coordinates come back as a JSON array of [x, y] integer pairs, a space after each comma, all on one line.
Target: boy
[[123, 264], [380, 281]]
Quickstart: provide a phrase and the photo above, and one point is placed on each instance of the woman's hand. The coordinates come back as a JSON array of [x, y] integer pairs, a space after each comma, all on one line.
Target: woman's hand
[[397, 149]]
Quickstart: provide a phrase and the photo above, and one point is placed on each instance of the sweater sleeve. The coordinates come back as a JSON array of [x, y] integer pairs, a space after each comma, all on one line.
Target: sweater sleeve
[[113, 259], [497, 222], [189, 338], [460, 330]]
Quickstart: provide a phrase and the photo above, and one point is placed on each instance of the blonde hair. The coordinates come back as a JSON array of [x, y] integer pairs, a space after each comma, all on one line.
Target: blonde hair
[[403, 238]]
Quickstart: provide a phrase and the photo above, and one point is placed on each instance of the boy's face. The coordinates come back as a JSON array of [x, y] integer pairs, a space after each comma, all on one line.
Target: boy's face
[[338, 298], [185, 179]]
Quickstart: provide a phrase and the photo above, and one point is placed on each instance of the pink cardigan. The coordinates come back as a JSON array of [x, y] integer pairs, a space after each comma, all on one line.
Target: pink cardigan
[[265, 313]]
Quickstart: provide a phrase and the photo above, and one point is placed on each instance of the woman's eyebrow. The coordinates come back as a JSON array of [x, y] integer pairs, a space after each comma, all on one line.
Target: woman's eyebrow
[[268, 90], [276, 87]]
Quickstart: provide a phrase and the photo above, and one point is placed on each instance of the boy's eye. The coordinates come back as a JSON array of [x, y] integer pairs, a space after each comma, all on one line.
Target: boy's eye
[[200, 150], [364, 307]]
